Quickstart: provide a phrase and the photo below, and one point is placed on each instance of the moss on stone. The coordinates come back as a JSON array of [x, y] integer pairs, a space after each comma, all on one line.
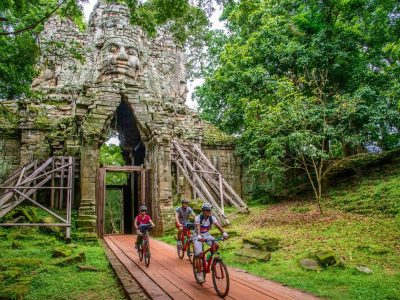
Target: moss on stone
[[262, 242], [61, 252], [254, 254], [20, 262], [77, 258], [15, 291], [214, 136], [309, 264], [326, 258], [50, 229]]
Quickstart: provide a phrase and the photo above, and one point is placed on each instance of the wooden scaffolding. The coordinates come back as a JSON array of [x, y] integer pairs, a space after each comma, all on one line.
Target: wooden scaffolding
[[206, 181], [56, 174]]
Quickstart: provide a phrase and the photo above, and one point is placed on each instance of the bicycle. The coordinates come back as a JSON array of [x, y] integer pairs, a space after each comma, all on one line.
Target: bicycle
[[186, 242], [144, 247], [213, 263]]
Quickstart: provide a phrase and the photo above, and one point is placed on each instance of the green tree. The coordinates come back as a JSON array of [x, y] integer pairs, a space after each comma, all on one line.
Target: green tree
[[305, 79], [20, 23]]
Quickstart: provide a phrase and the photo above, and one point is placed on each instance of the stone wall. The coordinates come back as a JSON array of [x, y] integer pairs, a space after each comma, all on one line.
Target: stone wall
[[227, 163], [84, 78], [9, 154]]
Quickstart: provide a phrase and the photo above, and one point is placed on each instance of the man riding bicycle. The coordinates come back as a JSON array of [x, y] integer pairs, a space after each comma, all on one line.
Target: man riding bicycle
[[142, 219], [204, 223], [181, 218]]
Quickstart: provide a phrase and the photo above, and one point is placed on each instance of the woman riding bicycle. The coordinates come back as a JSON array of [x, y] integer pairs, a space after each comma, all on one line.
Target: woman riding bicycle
[[182, 214], [142, 219], [204, 223]]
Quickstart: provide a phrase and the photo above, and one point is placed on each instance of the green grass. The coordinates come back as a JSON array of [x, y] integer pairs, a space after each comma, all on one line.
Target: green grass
[[361, 225], [356, 240], [53, 282], [376, 193]]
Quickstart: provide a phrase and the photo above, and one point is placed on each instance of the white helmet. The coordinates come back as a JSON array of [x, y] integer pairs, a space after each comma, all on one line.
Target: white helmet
[[207, 206]]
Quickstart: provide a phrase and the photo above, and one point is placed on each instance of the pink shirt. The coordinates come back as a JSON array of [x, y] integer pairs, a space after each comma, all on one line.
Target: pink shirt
[[142, 220]]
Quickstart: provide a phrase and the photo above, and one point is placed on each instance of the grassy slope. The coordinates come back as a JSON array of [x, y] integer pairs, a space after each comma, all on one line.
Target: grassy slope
[[371, 239], [52, 282]]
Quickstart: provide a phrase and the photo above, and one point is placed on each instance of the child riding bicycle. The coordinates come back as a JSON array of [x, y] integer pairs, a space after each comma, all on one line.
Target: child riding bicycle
[[181, 218], [142, 219], [204, 223]]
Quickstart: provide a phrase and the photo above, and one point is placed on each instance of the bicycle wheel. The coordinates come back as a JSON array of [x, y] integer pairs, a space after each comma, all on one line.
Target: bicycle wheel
[[220, 278], [198, 268], [190, 252], [147, 254], [140, 251], [179, 249]]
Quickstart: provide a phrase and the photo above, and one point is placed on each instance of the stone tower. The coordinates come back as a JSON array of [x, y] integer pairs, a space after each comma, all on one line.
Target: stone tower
[[110, 76]]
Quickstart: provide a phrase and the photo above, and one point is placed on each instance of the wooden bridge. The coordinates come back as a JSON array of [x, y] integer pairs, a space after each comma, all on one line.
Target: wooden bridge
[[169, 277]]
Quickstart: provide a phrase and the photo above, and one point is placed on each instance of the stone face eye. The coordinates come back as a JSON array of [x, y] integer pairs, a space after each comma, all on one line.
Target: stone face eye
[[113, 49], [130, 51]]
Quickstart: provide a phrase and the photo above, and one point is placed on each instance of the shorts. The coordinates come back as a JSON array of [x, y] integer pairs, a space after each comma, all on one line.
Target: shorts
[[198, 245]]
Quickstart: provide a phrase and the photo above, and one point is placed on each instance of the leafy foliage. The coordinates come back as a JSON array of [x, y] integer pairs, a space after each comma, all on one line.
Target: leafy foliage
[[305, 84], [19, 52], [111, 155]]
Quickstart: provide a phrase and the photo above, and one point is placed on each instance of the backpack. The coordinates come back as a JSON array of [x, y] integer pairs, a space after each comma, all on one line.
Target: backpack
[[202, 218]]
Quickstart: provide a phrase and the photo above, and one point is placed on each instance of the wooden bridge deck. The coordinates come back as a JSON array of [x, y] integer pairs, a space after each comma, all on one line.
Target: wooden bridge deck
[[168, 277]]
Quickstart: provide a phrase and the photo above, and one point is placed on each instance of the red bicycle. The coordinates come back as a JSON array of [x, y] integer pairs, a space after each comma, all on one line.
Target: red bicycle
[[144, 247], [186, 242], [212, 263]]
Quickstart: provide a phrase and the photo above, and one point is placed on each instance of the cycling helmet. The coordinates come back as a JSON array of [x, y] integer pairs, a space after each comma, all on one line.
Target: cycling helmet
[[143, 208], [184, 200], [206, 206]]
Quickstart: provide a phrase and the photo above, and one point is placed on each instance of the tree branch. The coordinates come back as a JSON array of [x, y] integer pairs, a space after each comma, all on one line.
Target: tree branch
[[30, 27]]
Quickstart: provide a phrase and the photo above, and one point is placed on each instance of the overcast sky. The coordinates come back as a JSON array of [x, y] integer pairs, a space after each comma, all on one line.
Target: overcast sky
[[215, 23]]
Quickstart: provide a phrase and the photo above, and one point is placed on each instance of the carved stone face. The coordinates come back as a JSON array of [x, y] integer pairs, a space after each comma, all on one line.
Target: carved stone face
[[119, 59]]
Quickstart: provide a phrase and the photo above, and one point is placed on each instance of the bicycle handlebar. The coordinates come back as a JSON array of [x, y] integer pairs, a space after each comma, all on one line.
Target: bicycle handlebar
[[214, 239]]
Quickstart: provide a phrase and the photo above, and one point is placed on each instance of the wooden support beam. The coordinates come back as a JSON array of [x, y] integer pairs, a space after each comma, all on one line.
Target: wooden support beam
[[61, 202], [19, 200], [204, 177], [41, 206], [24, 183], [36, 224], [111, 168], [52, 193]]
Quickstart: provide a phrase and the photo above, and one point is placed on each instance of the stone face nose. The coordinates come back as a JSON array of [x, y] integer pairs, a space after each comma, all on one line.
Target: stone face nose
[[122, 54]]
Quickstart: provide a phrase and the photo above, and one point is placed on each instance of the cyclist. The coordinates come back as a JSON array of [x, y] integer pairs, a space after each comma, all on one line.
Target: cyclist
[[204, 223], [141, 219], [182, 214]]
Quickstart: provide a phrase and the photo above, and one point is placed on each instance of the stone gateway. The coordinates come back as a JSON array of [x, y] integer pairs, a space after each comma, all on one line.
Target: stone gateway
[[111, 76]]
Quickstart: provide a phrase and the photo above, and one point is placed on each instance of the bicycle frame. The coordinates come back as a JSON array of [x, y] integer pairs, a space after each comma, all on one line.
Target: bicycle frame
[[207, 263], [145, 240], [188, 234]]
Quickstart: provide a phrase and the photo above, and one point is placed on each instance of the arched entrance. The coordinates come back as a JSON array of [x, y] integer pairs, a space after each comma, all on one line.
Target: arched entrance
[[135, 189]]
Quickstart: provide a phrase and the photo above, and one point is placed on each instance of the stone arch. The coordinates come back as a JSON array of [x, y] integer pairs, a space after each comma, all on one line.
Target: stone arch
[[107, 109]]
